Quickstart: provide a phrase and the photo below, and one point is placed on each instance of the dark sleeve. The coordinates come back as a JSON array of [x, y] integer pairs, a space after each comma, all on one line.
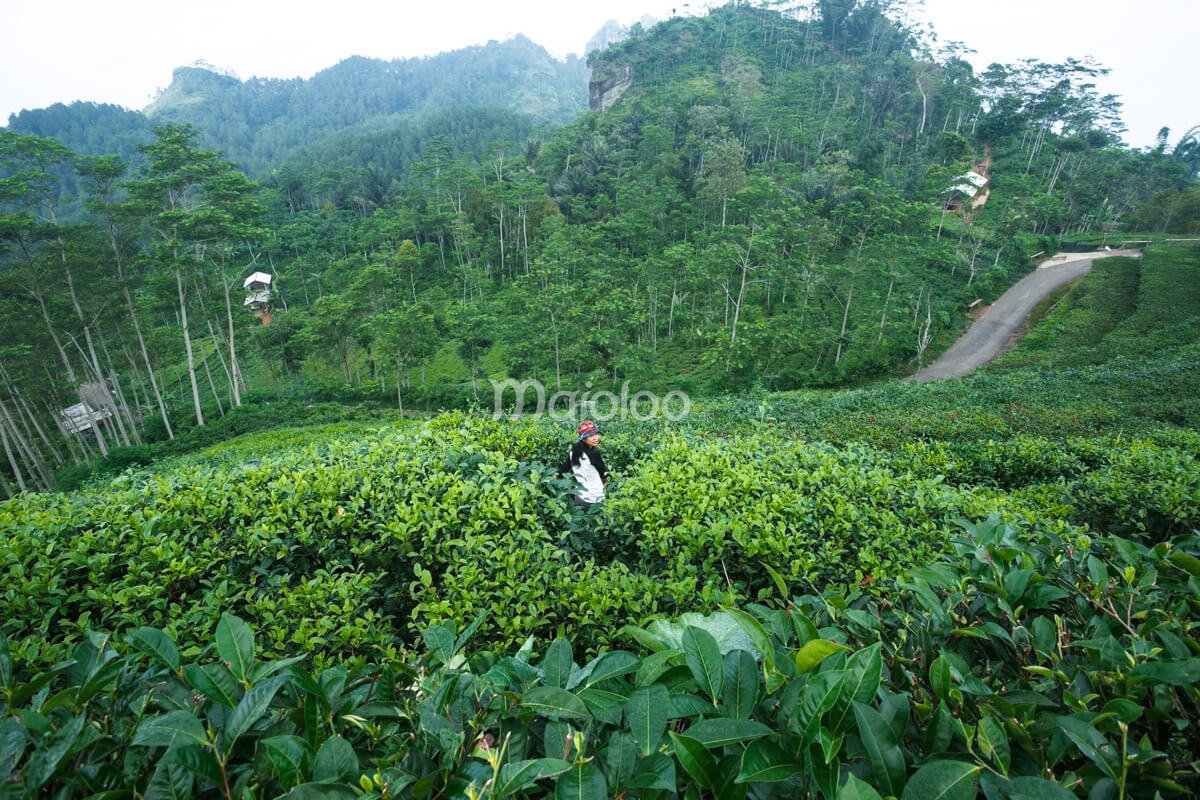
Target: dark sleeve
[[565, 466], [598, 462]]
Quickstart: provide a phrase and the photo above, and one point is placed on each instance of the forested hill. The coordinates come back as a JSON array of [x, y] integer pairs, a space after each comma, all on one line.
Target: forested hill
[[261, 123], [764, 200]]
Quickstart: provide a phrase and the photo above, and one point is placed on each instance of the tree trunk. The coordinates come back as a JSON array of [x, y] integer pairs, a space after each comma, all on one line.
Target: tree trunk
[[187, 346], [845, 319], [212, 386], [23, 448], [158, 396], [12, 461], [883, 318], [745, 272], [62, 352], [122, 406], [59, 460], [218, 345], [235, 384]]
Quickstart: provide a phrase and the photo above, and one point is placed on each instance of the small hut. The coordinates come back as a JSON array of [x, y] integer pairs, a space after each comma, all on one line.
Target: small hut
[[94, 408], [969, 189], [258, 296]]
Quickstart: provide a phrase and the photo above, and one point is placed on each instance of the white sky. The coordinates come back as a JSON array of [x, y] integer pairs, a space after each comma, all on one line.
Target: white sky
[[123, 51]]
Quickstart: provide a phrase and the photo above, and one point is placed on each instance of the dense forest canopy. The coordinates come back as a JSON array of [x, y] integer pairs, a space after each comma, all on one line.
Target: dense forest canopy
[[765, 200]]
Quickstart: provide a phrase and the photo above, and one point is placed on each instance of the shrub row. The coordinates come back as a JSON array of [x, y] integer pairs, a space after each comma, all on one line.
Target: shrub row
[[348, 546], [1020, 665]]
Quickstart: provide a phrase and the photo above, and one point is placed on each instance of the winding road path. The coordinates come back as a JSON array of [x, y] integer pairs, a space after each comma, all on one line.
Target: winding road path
[[1000, 326]]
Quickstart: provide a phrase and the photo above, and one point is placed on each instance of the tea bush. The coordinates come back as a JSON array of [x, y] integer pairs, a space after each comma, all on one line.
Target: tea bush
[[1018, 665], [353, 540]]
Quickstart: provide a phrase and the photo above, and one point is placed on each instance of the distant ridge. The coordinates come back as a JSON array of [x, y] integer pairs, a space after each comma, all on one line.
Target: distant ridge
[[260, 123]]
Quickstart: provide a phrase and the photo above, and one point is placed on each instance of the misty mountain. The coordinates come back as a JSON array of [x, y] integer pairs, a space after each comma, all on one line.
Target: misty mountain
[[260, 123]]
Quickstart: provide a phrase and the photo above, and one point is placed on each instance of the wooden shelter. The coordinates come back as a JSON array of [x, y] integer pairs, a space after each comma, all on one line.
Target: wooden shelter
[[258, 296]]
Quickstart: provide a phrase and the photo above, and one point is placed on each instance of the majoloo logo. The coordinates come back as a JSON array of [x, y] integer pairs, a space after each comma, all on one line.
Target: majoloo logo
[[601, 405]]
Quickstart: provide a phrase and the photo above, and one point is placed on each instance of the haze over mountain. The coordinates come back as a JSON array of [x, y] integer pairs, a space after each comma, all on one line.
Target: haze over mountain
[[260, 123]]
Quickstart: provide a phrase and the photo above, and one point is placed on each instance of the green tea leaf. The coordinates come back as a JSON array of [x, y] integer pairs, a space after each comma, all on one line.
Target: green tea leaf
[[336, 761], [235, 645], [170, 729], [940, 731], [656, 664], [157, 645], [581, 782], [883, 751], [646, 715], [855, 788], [1092, 744], [1186, 562], [519, 775], [46, 759], [823, 774], [170, 782], [757, 633], [864, 673], [249, 710], [321, 791], [684, 705], [1033, 788], [440, 641], [621, 757], [197, 760], [810, 656], [993, 742], [656, 773], [468, 632], [741, 684], [605, 706], [287, 754], [816, 698], [703, 657], [724, 730], [556, 666], [555, 703], [611, 665], [262, 671], [763, 761], [940, 678], [1173, 672], [696, 760], [5, 664], [942, 780]]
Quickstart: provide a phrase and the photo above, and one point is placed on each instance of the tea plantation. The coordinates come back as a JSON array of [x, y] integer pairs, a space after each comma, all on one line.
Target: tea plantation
[[982, 587]]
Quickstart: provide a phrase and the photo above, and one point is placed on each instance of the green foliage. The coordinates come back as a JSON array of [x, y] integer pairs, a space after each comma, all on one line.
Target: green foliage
[[1050, 665], [346, 540]]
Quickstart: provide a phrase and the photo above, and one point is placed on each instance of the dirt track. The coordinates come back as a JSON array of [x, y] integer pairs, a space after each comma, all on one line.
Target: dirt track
[[1000, 325]]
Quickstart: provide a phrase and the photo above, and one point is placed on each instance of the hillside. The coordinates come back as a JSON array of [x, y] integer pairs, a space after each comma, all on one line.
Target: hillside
[[930, 572], [262, 123], [270, 528], [765, 202]]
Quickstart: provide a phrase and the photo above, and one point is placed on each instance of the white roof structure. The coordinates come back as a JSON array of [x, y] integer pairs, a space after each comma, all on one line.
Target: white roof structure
[[968, 184], [257, 277], [79, 417]]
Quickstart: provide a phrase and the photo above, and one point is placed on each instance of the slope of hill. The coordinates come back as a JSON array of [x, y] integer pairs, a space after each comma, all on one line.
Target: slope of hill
[[962, 578], [260, 123], [763, 202]]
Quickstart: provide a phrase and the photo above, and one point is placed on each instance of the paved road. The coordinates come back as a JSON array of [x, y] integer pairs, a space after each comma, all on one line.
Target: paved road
[[1000, 325]]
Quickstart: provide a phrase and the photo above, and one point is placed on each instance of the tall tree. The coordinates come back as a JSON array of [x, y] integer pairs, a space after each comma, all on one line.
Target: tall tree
[[192, 203]]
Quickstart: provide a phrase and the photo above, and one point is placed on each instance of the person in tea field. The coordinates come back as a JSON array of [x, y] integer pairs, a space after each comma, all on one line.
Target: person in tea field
[[586, 464]]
